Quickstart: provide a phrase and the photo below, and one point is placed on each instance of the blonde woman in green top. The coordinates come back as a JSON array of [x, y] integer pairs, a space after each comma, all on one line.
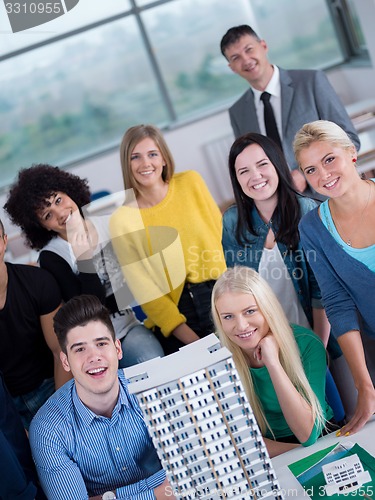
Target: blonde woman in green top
[[282, 366]]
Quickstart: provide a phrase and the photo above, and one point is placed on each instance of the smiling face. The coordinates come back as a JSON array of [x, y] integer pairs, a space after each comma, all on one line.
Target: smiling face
[[256, 174], [328, 168], [248, 58], [58, 212], [92, 356], [241, 320], [146, 163]]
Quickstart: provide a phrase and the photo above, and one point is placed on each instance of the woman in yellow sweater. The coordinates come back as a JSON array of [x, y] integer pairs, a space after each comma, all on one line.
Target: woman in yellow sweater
[[167, 237]]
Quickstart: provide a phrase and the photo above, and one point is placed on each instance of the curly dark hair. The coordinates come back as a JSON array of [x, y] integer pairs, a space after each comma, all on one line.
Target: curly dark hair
[[30, 192]]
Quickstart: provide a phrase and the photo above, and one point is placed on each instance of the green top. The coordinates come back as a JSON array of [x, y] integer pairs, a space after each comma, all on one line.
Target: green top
[[314, 361]]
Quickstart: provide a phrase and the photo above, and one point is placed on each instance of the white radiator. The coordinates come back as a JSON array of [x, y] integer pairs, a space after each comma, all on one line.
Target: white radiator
[[216, 153]]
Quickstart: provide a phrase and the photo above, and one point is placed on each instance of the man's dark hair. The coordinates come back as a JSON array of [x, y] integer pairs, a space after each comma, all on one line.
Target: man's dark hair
[[234, 34], [79, 311], [30, 192]]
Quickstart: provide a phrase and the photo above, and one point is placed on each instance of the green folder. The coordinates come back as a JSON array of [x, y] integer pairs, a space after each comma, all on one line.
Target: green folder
[[309, 473]]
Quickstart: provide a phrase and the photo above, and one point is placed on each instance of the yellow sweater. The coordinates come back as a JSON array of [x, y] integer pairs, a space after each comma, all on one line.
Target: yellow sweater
[[162, 247]]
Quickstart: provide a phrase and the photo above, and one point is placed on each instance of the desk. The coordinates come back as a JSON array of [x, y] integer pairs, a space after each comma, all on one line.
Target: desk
[[365, 438]]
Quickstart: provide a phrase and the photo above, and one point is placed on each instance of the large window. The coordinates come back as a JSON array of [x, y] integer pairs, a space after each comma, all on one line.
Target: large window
[[71, 87]]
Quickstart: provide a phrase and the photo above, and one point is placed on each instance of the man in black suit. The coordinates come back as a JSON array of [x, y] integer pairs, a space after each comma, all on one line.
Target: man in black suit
[[297, 96]]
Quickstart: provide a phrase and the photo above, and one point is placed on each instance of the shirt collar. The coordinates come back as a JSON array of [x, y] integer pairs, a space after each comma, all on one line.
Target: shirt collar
[[87, 416], [259, 223], [273, 86]]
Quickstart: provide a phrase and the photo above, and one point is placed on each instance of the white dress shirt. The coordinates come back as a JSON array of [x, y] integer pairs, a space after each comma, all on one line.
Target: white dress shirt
[[273, 88]]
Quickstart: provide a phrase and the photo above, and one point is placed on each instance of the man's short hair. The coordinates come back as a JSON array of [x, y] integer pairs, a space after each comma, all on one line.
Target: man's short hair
[[234, 34], [79, 311]]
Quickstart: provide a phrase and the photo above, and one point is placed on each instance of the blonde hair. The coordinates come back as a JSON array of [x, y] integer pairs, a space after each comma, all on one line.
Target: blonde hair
[[132, 137], [320, 131], [242, 279]]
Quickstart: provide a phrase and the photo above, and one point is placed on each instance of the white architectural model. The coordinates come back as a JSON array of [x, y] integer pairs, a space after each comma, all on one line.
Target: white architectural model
[[202, 425], [345, 475]]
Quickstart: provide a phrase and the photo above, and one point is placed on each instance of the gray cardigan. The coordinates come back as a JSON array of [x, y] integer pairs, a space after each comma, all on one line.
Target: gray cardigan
[[347, 285]]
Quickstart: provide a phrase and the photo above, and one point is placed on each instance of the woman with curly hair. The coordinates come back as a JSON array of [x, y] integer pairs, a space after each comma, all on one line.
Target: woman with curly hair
[[46, 203]]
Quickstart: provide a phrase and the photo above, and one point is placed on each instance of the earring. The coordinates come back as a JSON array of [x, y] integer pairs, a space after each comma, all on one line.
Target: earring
[[354, 160]]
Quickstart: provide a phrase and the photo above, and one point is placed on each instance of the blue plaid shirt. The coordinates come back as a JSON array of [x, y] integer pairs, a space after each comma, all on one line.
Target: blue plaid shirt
[[79, 454]]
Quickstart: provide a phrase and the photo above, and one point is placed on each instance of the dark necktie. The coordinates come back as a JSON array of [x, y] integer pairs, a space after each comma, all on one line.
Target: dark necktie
[[269, 119]]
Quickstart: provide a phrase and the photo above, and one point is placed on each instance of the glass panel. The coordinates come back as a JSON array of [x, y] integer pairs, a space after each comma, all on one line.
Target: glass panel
[[299, 34], [75, 97], [356, 24], [84, 13], [69, 99], [185, 35]]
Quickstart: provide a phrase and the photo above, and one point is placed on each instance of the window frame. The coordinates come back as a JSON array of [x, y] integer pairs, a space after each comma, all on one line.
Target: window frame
[[343, 21]]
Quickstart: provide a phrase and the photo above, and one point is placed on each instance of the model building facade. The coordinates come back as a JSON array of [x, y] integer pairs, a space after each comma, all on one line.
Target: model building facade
[[202, 425]]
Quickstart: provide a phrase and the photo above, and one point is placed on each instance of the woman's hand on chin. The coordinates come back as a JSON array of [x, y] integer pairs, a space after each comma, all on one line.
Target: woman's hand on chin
[[78, 236], [267, 351]]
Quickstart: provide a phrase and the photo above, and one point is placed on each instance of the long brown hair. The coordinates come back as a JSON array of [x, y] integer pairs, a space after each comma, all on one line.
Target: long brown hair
[[132, 137]]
